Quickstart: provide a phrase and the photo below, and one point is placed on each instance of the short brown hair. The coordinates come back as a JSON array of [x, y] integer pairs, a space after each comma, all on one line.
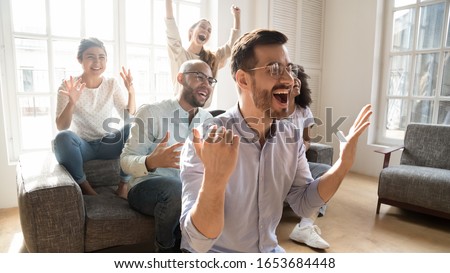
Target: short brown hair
[[243, 53]]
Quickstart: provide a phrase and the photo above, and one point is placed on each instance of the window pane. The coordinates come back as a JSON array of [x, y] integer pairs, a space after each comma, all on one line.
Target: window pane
[[163, 83], [431, 25], [188, 15], [445, 91], [138, 16], [403, 30], [65, 61], [159, 31], [447, 44], [32, 65], [426, 74], [401, 3], [110, 61], [444, 113], [397, 114], [29, 16], [36, 122], [399, 75], [99, 19], [422, 111], [139, 60], [65, 17]]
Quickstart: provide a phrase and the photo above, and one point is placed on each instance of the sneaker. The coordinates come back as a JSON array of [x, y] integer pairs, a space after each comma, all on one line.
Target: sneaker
[[309, 235]]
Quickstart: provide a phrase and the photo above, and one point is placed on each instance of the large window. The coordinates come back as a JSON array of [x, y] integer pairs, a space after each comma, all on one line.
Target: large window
[[41, 37], [417, 78]]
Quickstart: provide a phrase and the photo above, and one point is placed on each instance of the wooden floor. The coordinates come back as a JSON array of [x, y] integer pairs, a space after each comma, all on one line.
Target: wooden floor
[[350, 225]]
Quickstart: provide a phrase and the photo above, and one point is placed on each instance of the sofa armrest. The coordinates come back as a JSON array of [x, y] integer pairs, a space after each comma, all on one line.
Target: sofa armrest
[[51, 205], [320, 153], [387, 153]]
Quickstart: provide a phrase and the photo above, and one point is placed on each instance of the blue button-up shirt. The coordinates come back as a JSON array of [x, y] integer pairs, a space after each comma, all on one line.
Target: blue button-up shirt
[[263, 179]]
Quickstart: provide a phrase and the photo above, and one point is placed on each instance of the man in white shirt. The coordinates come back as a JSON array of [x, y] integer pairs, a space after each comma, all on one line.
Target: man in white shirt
[[151, 154], [236, 174]]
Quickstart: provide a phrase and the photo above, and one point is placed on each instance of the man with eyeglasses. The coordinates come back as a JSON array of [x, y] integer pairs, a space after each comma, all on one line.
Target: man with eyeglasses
[[238, 169], [151, 154]]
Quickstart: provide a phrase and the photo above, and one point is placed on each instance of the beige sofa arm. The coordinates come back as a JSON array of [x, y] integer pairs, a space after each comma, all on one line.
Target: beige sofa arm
[[51, 205]]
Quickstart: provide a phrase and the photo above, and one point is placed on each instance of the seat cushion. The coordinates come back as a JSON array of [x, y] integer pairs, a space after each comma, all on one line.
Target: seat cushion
[[111, 222], [421, 186], [101, 172]]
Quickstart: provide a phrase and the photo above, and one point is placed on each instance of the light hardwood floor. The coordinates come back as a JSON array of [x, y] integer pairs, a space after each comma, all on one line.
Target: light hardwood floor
[[350, 225]]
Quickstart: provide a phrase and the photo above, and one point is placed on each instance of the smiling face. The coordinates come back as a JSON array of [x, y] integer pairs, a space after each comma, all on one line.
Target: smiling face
[[268, 92], [93, 61], [295, 92], [196, 88], [200, 32]]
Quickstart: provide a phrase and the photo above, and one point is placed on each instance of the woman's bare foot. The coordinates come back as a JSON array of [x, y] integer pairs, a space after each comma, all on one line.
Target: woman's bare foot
[[122, 190], [86, 188]]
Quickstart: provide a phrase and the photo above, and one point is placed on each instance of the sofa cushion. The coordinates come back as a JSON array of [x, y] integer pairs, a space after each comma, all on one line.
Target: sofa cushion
[[108, 222], [102, 172], [421, 186]]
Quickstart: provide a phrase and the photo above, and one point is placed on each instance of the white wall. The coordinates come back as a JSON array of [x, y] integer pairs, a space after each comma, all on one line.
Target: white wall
[[8, 192], [254, 14], [350, 71]]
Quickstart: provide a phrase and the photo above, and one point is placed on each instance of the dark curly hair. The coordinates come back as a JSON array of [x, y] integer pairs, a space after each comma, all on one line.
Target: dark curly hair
[[304, 99]]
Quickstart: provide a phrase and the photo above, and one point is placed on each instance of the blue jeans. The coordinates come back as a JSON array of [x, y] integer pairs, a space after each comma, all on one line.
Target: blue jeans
[[72, 151], [318, 169], [160, 197]]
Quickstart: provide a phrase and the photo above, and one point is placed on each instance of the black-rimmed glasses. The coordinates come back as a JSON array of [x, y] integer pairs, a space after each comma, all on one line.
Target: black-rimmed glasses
[[276, 70], [202, 77]]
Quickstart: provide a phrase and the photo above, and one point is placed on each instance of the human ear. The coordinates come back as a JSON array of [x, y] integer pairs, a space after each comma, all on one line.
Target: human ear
[[243, 79], [180, 78]]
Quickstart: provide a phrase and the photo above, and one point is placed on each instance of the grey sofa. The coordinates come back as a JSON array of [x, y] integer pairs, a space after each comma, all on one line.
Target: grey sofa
[[320, 153], [56, 217], [422, 180]]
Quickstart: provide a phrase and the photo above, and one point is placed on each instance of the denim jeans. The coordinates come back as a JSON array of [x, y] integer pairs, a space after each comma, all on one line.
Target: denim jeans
[[72, 151], [318, 169], [160, 197]]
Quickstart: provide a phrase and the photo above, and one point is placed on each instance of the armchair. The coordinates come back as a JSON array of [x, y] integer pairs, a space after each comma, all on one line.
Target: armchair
[[422, 180]]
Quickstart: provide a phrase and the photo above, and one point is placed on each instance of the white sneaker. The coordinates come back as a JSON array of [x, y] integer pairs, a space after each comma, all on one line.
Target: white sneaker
[[309, 235]]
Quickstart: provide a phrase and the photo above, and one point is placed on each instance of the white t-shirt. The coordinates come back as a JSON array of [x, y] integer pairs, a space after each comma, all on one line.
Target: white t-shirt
[[94, 108], [302, 118]]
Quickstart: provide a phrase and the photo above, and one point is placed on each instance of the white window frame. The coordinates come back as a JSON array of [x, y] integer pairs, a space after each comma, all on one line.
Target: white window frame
[[9, 77], [381, 135]]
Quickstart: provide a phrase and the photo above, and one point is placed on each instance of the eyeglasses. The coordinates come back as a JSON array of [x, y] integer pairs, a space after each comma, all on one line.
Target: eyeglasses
[[276, 70], [201, 77]]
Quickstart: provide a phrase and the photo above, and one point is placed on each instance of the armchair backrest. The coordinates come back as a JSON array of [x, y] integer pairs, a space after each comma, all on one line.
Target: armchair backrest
[[427, 145]]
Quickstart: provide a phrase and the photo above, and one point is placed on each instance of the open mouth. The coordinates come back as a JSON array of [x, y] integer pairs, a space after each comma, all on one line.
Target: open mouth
[[281, 97], [203, 94], [202, 37]]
